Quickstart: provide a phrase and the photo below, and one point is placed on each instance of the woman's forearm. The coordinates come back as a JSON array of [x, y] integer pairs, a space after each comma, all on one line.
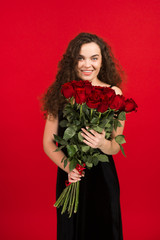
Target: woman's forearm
[[56, 157], [110, 147]]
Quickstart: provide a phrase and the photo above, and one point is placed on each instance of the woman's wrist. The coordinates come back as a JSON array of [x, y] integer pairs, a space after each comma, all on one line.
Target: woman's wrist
[[110, 147], [106, 146]]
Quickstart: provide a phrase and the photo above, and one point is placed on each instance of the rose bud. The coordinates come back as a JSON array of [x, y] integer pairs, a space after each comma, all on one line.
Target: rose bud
[[80, 95], [117, 102], [67, 90], [130, 105]]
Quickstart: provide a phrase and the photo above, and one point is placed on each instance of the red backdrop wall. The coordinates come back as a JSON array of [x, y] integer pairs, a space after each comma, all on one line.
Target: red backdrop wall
[[34, 36]]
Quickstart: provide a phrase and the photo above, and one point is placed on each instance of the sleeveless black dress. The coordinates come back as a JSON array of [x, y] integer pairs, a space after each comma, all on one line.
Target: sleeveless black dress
[[99, 215]]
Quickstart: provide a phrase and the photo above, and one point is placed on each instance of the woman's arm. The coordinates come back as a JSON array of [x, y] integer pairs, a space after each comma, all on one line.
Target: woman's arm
[[97, 140], [51, 127], [112, 147]]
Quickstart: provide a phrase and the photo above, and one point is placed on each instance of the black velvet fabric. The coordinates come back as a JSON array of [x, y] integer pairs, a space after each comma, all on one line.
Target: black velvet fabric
[[99, 215]]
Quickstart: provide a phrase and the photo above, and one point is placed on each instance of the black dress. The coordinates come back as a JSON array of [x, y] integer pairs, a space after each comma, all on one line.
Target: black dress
[[98, 216]]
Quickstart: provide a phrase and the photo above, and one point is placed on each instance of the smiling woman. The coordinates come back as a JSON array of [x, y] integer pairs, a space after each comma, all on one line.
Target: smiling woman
[[87, 57], [89, 62], [110, 72]]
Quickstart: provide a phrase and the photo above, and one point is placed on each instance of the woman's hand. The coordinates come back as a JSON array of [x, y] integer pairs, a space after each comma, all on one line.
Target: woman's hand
[[93, 138], [75, 176]]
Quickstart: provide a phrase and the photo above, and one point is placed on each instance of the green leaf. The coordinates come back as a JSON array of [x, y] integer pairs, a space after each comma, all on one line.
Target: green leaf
[[85, 148], [85, 158], [111, 115], [115, 124], [72, 164], [95, 160], [98, 129], [86, 110], [65, 162], [63, 123], [103, 158], [108, 135], [69, 133], [59, 140], [94, 120], [74, 127], [76, 122], [122, 150], [59, 148], [120, 139], [80, 161], [80, 136], [122, 116], [63, 159], [89, 164], [119, 124], [89, 158], [71, 149], [104, 122], [107, 125]]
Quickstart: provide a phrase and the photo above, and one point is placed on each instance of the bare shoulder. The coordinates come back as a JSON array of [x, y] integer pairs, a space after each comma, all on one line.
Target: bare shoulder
[[117, 90]]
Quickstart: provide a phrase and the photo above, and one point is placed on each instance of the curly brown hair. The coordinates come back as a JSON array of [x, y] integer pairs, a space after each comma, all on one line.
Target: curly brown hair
[[111, 72]]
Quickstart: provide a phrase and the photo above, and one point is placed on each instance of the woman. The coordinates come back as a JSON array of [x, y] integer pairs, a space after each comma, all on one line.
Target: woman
[[87, 57]]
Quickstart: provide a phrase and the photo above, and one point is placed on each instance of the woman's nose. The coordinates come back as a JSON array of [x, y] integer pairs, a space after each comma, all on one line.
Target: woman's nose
[[87, 63]]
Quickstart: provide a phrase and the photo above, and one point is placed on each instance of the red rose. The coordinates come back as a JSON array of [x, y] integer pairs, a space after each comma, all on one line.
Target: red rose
[[103, 106], [117, 102], [67, 90], [77, 84], [93, 100], [80, 95], [88, 87], [130, 105], [98, 89], [109, 91], [82, 89]]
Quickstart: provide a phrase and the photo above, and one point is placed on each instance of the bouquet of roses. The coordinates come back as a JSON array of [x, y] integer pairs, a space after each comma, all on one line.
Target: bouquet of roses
[[96, 108]]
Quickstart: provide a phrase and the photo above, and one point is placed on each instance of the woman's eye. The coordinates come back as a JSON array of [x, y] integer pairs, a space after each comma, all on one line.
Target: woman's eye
[[80, 58], [95, 58]]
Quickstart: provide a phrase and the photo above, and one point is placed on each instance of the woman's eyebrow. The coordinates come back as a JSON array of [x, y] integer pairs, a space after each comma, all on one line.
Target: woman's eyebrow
[[91, 56], [95, 55]]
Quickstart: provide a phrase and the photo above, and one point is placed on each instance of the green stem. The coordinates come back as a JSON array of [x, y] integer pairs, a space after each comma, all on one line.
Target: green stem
[[73, 199], [81, 111], [66, 200], [72, 101], [99, 117], [58, 202], [77, 197], [108, 113], [91, 113]]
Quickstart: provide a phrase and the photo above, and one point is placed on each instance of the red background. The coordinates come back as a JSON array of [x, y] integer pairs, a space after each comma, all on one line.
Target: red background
[[34, 36]]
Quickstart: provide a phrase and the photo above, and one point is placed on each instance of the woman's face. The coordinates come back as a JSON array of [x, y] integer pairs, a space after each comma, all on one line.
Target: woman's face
[[89, 62]]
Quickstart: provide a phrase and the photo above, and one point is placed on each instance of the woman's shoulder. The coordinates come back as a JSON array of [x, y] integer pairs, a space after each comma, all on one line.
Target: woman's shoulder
[[117, 90]]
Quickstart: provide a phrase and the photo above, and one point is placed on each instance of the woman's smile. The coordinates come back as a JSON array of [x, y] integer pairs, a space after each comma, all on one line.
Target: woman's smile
[[87, 72]]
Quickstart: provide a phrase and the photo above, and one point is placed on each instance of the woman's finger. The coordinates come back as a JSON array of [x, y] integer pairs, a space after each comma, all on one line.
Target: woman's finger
[[73, 181], [73, 177], [93, 132], [75, 170], [86, 133]]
